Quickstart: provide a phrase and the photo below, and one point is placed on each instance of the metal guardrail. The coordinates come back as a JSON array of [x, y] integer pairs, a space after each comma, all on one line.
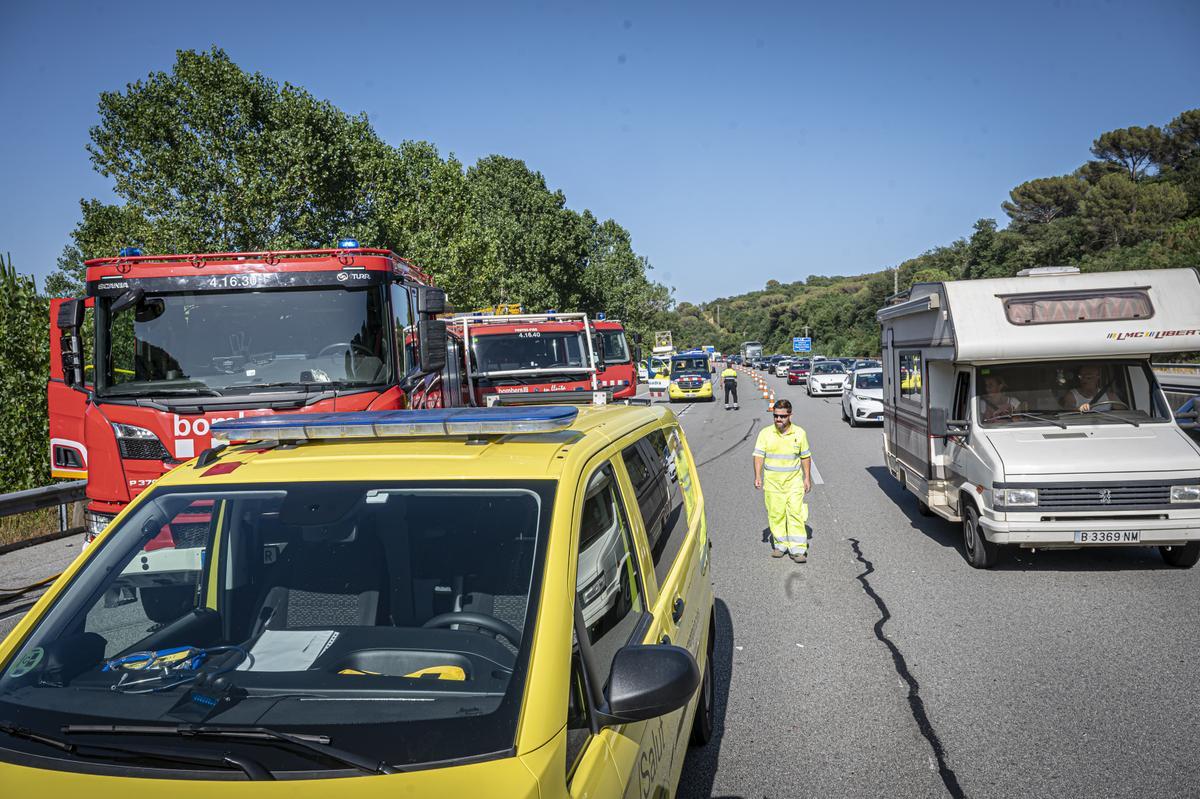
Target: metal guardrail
[[60, 494]]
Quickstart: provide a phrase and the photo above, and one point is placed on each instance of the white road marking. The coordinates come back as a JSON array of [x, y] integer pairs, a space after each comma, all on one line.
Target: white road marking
[[816, 474]]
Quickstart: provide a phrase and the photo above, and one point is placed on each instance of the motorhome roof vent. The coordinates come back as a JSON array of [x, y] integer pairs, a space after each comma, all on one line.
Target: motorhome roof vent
[[1043, 271]]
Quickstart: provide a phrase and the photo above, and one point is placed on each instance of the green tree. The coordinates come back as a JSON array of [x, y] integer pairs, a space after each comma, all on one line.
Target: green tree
[[1134, 149], [1045, 199], [24, 369], [1119, 211], [533, 248]]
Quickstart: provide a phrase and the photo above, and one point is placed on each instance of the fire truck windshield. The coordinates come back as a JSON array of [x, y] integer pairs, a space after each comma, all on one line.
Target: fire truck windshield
[[615, 348], [509, 353], [228, 343]]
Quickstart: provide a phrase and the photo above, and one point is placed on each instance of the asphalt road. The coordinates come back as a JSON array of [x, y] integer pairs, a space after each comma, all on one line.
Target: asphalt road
[[23, 568], [886, 666]]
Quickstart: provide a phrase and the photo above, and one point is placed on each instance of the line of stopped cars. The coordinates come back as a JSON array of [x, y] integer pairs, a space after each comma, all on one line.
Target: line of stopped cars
[[858, 381]]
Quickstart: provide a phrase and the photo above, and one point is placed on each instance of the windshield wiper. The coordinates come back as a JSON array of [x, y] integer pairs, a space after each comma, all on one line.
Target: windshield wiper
[[1027, 415], [167, 391], [1107, 415], [317, 744], [251, 768]]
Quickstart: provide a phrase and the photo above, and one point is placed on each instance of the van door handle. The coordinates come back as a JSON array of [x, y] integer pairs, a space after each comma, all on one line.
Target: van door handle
[[677, 610]]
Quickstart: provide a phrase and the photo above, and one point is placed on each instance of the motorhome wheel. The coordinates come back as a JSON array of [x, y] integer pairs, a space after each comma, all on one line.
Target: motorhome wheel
[[980, 553], [1184, 557]]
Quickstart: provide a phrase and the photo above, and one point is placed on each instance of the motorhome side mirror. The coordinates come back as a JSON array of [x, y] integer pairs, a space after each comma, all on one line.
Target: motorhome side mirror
[[432, 335], [430, 301], [937, 421], [127, 300], [648, 681]]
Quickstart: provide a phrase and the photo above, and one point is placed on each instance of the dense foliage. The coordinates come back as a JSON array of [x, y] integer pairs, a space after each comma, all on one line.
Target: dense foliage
[[24, 363], [1135, 206]]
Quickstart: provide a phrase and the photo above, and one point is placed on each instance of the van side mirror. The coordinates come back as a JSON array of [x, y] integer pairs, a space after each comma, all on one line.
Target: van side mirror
[[637, 337], [431, 333], [70, 324], [430, 301], [648, 681], [598, 349]]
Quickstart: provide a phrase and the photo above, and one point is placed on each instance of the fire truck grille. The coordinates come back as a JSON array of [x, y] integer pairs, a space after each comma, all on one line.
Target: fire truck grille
[[190, 534], [143, 449]]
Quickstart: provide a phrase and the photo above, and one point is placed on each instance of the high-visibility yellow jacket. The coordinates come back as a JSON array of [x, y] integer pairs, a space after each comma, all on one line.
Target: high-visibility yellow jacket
[[729, 373], [781, 454]]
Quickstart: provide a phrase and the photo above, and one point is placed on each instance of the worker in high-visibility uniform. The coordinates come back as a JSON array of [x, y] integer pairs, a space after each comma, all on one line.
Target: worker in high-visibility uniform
[[781, 457], [729, 379]]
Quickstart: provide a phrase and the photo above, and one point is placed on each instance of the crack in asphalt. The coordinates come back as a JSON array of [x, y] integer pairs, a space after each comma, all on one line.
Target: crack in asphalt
[[915, 703], [729, 449]]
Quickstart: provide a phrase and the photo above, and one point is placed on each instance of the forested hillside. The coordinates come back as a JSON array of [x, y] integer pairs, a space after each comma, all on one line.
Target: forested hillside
[[1135, 205]]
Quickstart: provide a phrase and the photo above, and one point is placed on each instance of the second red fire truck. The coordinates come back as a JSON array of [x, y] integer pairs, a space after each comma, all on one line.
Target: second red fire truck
[[541, 357]]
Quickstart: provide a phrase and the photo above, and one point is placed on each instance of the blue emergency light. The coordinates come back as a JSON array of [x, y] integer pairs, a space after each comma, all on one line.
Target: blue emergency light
[[499, 420], [129, 252], [347, 244], [601, 316]]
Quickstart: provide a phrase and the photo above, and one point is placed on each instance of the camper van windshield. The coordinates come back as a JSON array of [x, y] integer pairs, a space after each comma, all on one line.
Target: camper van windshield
[[1068, 392]]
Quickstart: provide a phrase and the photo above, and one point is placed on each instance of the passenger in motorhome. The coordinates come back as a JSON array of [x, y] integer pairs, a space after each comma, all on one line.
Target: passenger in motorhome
[[995, 402], [1091, 392]]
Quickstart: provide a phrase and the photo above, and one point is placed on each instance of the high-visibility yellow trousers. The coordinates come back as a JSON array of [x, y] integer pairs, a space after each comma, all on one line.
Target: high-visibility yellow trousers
[[786, 513]]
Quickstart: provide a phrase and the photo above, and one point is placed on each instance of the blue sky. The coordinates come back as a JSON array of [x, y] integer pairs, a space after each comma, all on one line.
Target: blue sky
[[738, 142]]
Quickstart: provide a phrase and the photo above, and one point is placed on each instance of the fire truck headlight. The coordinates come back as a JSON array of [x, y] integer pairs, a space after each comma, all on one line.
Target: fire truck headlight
[[132, 431], [95, 524]]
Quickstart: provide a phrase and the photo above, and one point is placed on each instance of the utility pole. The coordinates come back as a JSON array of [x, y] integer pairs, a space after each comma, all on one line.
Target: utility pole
[[895, 279], [718, 314]]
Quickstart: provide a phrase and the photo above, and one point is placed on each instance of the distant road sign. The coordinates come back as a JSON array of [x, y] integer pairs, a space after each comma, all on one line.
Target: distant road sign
[[801, 344]]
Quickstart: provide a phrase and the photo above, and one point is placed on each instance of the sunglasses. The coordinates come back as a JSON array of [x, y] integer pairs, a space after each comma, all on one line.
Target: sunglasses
[[781, 415]]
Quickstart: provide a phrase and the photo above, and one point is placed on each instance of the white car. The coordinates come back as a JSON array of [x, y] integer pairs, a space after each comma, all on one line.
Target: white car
[[826, 377], [862, 400], [602, 577], [781, 368]]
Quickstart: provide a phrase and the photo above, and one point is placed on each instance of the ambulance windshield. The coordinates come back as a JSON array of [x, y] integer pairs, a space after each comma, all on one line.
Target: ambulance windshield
[[221, 343], [395, 618]]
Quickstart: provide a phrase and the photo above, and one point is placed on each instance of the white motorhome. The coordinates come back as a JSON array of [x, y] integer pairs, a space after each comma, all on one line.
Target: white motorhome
[[1025, 409]]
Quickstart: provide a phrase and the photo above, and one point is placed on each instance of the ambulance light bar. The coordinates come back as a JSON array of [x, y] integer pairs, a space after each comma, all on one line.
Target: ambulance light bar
[[393, 424]]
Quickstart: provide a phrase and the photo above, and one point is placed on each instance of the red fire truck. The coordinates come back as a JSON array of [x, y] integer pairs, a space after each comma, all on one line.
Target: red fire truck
[[551, 355], [177, 342], [620, 358]]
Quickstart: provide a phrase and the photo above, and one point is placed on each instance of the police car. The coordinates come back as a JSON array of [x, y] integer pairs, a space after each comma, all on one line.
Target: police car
[[506, 601]]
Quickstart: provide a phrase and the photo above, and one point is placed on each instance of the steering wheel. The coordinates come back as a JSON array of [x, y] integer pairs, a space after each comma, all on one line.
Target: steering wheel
[[339, 347], [481, 620], [353, 346]]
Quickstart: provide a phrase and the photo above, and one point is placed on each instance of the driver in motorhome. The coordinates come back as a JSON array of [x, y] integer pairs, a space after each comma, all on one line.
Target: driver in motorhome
[[995, 402], [1091, 391]]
